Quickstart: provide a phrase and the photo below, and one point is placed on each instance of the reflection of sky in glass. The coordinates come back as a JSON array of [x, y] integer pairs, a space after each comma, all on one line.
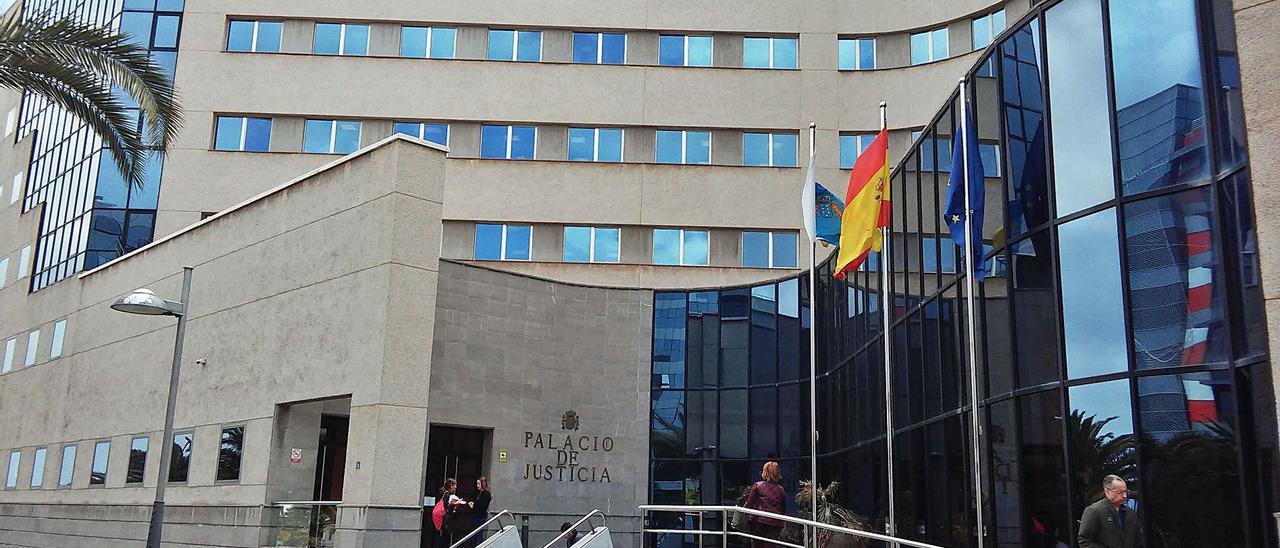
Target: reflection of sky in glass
[[1080, 116], [1154, 46], [1105, 400], [1092, 305]]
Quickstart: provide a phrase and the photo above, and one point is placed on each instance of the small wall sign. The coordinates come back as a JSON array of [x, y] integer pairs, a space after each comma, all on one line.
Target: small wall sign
[[502, 455], [295, 455]]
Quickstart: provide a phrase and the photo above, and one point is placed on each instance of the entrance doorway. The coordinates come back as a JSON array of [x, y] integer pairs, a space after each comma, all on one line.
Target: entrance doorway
[[452, 452]]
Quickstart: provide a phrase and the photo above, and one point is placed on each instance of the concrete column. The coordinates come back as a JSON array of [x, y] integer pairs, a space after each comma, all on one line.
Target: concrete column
[[382, 489]]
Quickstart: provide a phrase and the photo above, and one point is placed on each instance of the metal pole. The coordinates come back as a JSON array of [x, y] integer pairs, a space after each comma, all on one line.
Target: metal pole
[[155, 530], [975, 432], [813, 361], [886, 304]]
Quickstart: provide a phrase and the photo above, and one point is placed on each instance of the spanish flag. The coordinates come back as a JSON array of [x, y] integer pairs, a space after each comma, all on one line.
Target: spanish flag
[[866, 206]]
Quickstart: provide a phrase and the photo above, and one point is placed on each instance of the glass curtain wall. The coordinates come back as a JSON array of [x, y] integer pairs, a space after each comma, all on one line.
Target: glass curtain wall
[[1118, 330]]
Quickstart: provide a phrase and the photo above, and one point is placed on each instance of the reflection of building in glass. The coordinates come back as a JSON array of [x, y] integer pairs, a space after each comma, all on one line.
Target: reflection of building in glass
[[1162, 140]]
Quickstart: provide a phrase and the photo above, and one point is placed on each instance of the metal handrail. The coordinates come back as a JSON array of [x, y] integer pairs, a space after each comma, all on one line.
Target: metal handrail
[[483, 525], [725, 531], [575, 525]]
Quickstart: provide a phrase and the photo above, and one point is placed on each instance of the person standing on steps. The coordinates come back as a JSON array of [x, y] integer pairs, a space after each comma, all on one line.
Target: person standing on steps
[[480, 508], [767, 495]]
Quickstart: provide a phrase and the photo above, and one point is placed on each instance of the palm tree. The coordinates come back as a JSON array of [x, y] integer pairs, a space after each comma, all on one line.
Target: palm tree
[[77, 66], [1096, 453]]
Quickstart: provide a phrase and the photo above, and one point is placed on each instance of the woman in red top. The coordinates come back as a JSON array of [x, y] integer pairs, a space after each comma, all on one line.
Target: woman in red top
[[767, 496]]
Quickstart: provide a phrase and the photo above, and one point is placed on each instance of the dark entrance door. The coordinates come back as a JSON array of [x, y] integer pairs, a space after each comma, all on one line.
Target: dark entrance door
[[331, 458], [457, 453]]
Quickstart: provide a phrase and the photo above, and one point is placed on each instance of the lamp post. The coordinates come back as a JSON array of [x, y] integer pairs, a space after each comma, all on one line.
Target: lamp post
[[143, 301]]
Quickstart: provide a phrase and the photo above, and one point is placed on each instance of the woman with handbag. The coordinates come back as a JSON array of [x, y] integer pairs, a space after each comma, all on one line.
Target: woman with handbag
[[766, 495]]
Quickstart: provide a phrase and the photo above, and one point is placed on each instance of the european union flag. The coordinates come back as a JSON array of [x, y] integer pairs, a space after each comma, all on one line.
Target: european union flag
[[827, 217], [973, 178]]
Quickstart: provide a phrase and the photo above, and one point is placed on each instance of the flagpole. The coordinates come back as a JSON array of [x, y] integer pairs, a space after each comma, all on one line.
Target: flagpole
[[975, 431], [886, 304], [813, 361]]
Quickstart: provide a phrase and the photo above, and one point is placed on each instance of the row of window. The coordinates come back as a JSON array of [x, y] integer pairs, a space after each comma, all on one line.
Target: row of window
[[230, 450], [601, 48], [24, 266], [33, 346], [671, 246]]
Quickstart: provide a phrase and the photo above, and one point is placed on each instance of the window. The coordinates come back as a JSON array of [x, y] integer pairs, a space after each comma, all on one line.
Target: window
[[59, 332], [508, 142], [11, 121], [851, 145], [677, 246], [683, 147], [990, 153], [769, 249], [9, 347], [929, 46], [24, 262], [33, 347], [935, 152], [180, 457], [101, 453], [769, 149], [589, 244], [137, 459], [948, 263], [503, 242], [229, 453], [4, 271], [857, 53], [16, 190], [774, 53], [341, 39], [677, 50], [331, 136], [11, 479], [428, 42], [599, 48], [258, 36], [427, 131], [986, 28], [515, 45], [67, 468], [242, 134], [37, 468], [587, 144]]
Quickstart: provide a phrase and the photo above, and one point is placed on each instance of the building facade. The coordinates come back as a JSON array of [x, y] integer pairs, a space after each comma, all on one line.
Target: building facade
[[542, 243]]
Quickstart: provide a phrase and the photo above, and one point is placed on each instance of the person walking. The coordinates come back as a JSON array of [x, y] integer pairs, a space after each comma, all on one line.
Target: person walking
[[766, 495], [1109, 523], [480, 508]]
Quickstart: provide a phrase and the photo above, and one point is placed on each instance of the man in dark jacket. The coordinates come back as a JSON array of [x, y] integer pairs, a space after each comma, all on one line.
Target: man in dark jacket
[[1109, 523]]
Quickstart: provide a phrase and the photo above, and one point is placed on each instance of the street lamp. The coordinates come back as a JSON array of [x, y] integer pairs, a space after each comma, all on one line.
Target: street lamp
[[143, 301]]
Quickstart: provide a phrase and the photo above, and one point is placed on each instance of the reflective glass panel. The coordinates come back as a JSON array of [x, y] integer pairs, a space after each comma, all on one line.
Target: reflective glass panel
[[586, 47], [1082, 170], [1044, 472], [1101, 429], [755, 53], [529, 45], [413, 41], [519, 240], [919, 48], [699, 51], [101, 452], [328, 38], [347, 139], [1092, 297], [784, 149], [443, 42], [1230, 138], [667, 426], [166, 32], [582, 144], [733, 424], [764, 338], [1242, 236], [697, 147], [1028, 181], [764, 422], [137, 459], [668, 340], [666, 246], [502, 44], [613, 49], [229, 453], [488, 242], [1159, 94], [137, 26], [669, 146], [1189, 458], [240, 36], [866, 53], [671, 50], [607, 245], [609, 145], [316, 136], [695, 247], [111, 190], [1176, 286], [269, 33], [784, 249], [940, 46], [755, 149], [523, 139], [227, 136], [436, 133], [357, 40], [11, 477], [493, 141], [848, 54], [37, 468], [755, 249], [257, 136], [67, 466], [577, 244], [407, 128], [784, 53]]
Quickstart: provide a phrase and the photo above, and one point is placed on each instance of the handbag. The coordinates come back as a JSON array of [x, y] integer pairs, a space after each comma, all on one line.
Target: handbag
[[739, 521]]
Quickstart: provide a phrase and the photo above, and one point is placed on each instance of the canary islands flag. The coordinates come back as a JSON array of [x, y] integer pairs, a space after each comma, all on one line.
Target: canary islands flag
[[866, 206], [828, 214]]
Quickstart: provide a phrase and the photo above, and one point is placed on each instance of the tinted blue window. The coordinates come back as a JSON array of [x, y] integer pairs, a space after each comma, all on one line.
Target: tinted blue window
[[328, 39], [502, 44], [669, 145], [920, 48], [1092, 297], [940, 47], [413, 41], [240, 36], [666, 246], [493, 141], [166, 31], [257, 135], [316, 135], [697, 147], [269, 33], [866, 53], [609, 145], [613, 49], [755, 53], [695, 247], [137, 26], [607, 240], [347, 139], [408, 128], [699, 51], [529, 46], [147, 196], [784, 150], [227, 136], [671, 50], [518, 240], [138, 231], [443, 42], [582, 144], [522, 142], [111, 191], [585, 47], [488, 242], [1082, 170], [848, 54], [851, 146], [356, 41], [140, 5], [784, 249], [755, 149], [755, 249], [990, 153], [784, 53], [169, 5], [436, 133], [577, 244]]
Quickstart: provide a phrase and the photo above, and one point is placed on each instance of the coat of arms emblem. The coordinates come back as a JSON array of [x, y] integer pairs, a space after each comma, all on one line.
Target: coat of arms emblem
[[569, 421]]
